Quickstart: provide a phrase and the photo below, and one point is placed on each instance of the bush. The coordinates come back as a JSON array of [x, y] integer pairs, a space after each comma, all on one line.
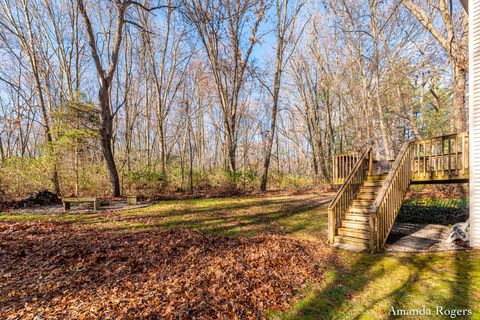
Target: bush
[[144, 179], [438, 211], [24, 176], [20, 177], [285, 181]]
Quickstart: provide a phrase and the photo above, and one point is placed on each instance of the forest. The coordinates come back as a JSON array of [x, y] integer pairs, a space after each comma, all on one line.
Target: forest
[[218, 96], [238, 159]]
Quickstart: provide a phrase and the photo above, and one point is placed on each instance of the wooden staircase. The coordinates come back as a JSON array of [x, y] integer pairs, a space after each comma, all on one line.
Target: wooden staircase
[[354, 233], [363, 212]]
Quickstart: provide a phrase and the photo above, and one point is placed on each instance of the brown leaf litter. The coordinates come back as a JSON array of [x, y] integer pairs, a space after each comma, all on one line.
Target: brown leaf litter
[[60, 271]]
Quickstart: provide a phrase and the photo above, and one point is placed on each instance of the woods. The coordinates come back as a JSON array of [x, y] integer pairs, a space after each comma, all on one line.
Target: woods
[[239, 159], [193, 95]]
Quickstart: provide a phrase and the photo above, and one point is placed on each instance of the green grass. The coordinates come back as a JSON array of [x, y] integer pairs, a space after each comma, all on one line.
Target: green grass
[[298, 216], [356, 286], [375, 283]]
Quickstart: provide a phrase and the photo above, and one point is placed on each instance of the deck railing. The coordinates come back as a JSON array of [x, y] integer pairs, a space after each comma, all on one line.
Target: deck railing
[[439, 159], [343, 164], [390, 198], [347, 192], [435, 160]]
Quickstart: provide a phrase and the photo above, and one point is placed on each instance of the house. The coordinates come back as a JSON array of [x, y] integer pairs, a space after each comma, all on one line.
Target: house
[[473, 9]]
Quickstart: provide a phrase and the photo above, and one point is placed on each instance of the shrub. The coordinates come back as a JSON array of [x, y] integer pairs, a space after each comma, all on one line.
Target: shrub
[[24, 176], [144, 179]]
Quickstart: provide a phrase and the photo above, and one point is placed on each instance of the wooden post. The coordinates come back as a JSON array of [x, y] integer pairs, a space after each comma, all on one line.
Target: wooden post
[[443, 157], [424, 159], [449, 145], [467, 148], [332, 226], [334, 173], [456, 155], [132, 200], [463, 154], [66, 206], [372, 221], [370, 163]]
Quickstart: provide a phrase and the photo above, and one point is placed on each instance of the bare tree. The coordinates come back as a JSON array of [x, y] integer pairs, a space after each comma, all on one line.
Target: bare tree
[[14, 23], [105, 76], [228, 31], [169, 63], [454, 40], [286, 16]]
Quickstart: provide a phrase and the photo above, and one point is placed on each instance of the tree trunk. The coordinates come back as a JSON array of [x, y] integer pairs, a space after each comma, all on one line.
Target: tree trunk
[[190, 153], [30, 47], [2, 151], [268, 151], [232, 150], [459, 87], [106, 129], [163, 158]]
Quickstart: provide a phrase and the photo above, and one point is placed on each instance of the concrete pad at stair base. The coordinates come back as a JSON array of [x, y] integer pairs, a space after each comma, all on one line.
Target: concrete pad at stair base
[[412, 237], [415, 243]]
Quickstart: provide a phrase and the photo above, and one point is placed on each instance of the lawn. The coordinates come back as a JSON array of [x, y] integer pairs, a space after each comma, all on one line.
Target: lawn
[[243, 257]]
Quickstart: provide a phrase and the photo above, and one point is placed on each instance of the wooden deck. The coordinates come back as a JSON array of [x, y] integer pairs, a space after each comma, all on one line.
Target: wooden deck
[[441, 159], [364, 210]]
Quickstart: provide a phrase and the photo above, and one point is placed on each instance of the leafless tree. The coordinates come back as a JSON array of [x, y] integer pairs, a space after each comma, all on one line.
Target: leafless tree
[[452, 35], [228, 31], [286, 18]]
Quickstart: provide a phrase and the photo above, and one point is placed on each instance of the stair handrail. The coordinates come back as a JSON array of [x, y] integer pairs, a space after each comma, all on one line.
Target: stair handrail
[[388, 202], [346, 194]]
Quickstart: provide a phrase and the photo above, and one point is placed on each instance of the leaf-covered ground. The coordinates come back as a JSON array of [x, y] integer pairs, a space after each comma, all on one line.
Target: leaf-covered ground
[[60, 271], [233, 258]]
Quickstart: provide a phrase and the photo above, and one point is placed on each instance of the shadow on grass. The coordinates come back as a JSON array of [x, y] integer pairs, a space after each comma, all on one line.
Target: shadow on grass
[[246, 216], [369, 286], [342, 282], [456, 282], [460, 285], [276, 216]]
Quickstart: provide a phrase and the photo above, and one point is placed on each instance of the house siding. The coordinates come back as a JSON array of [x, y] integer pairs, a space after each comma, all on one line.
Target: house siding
[[474, 120]]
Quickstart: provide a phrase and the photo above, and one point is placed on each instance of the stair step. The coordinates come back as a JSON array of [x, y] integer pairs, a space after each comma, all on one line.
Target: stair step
[[380, 177], [354, 233], [351, 243], [371, 189], [355, 224], [362, 202], [352, 240], [357, 217], [358, 209], [366, 196], [373, 183], [350, 247]]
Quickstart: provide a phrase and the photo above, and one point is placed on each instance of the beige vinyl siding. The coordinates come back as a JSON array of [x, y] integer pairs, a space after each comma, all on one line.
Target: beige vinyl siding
[[474, 116]]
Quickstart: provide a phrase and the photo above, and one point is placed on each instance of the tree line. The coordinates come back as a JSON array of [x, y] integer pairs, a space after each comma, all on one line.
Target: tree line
[[232, 93]]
